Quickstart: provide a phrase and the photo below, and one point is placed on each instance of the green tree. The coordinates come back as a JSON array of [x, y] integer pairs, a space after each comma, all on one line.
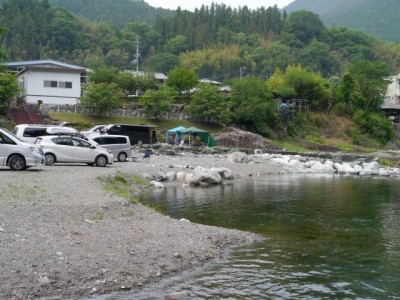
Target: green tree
[[104, 75], [346, 90], [177, 45], [307, 85], [278, 87], [369, 83], [158, 102], [375, 124], [102, 96], [162, 62], [209, 102], [271, 56], [252, 106], [8, 87], [305, 26], [3, 53], [317, 57], [182, 79]]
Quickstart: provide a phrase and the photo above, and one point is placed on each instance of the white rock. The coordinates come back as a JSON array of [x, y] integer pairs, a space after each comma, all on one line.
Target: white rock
[[171, 176], [157, 184], [238, 157], [180, 176], [207, 175]]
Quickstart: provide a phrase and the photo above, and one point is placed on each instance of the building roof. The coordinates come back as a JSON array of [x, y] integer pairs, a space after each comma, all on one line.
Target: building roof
[[158, 76], [206, 80], [390, 106], [21, 66]]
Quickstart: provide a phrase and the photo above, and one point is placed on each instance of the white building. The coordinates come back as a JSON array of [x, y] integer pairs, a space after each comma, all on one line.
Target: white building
[[391, 105], [50, 81]]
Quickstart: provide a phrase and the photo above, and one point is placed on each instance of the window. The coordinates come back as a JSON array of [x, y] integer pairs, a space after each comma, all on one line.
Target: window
[[4, 139], [65, 84], [48, 83], [34, 132], [63, 141]]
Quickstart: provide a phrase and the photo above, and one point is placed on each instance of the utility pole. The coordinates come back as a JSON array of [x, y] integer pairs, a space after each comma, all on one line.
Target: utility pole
[[136, 60], [137, 54]]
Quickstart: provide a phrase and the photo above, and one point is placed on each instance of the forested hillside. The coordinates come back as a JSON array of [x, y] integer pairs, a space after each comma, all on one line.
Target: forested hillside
[[117, 12], [217, 42], [265, 55], [378, 18]]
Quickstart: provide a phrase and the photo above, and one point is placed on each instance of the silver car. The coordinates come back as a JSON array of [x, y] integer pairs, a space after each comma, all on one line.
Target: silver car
[[16, 154], [68, 149]]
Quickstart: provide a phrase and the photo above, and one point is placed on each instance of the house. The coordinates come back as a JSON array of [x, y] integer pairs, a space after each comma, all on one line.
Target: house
[[160, 77], [391, 105], [51, 82]]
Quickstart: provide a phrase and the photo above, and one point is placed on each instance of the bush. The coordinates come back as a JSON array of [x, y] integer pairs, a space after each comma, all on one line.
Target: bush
[[375, 124]]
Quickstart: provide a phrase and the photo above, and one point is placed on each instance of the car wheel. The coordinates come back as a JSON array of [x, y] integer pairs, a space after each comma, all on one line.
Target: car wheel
[[49, 159], [101, 161], [122, 156], [139, 143], [17, 163]]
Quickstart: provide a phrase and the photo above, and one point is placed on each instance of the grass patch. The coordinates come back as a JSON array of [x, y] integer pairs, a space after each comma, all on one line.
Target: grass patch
[[97, 216], [289, 146], [391, 163], [125, 185]]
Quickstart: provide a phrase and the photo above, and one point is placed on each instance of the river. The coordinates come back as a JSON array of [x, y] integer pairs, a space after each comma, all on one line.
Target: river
[[326, 237]]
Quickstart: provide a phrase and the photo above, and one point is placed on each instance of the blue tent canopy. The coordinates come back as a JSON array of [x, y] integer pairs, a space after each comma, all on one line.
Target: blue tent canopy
[[179, 134]]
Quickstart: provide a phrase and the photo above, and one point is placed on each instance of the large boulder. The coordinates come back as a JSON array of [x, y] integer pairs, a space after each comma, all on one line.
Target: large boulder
[[225, 173], [204, 175], [236, 138]]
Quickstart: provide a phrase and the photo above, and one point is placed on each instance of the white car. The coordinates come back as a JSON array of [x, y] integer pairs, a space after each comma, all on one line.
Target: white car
[[119, 145], [67, 149], [29, 132], [16, 154], [94, 130]]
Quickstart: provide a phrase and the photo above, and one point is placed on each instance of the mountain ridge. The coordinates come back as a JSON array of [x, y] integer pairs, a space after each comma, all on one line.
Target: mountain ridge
[[376, 18]]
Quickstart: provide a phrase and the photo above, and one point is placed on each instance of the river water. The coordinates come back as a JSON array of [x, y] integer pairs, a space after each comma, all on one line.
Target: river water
[[326, 237]]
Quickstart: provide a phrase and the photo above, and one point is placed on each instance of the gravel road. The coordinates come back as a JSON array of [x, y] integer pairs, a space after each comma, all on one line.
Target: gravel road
[[63, 236]]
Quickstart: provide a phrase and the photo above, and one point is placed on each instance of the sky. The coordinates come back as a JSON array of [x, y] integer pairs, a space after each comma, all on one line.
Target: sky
[[191, 4]]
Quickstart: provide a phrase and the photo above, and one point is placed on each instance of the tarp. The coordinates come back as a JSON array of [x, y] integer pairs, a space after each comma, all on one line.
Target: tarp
[[174, 135], [190, 133]]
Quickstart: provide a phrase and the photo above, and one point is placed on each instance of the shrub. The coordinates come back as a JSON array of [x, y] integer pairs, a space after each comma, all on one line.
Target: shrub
[[375, 124]]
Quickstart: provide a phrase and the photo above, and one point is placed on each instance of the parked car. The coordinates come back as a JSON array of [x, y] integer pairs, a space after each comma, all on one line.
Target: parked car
[[94, 130], [119, 145], [67, 149], [16, 154], [29, 132], [138, 134]]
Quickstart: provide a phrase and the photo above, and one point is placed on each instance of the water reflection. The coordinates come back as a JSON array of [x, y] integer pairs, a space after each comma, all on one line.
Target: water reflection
[[327, 237]]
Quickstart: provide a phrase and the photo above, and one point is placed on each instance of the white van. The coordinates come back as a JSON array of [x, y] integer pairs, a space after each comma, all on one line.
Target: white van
[[119, 145], [17, 154], [29, 132]]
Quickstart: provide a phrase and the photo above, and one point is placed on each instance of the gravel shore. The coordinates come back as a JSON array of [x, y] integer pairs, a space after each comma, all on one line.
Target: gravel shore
[[63, 236]]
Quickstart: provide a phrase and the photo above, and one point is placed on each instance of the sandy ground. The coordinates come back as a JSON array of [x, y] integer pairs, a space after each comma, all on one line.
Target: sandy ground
[[63, 236]]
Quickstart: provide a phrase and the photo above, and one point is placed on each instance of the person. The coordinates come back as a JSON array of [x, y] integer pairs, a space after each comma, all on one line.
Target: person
[[197, 141]]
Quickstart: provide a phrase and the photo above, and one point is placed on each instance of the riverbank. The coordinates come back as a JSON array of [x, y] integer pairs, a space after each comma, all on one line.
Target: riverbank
[[63, 236]]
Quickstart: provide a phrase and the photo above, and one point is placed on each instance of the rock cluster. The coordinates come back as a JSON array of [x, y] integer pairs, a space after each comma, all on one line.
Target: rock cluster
[[197, 176], [301, 164], [287, 163]]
